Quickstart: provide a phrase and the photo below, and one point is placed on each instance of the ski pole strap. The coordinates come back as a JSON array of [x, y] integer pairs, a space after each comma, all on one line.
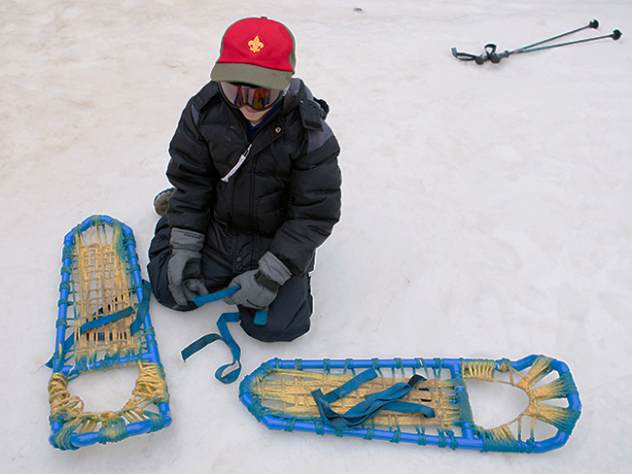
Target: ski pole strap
[[489, 54], [260, 318], [463, 56], [389, 399], [492, 55], [226, 337]]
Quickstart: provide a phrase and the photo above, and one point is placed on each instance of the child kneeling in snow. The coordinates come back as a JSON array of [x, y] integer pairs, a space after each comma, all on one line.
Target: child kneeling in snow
[[256, 186]]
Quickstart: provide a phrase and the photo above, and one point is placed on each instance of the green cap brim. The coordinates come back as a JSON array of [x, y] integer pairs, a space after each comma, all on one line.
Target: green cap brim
[[251, 74]]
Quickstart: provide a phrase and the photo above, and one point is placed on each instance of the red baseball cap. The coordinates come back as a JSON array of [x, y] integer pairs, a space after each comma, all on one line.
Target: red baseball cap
[[256, 51]]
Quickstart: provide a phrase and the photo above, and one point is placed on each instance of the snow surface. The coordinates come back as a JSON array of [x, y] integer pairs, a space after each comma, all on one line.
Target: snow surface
[[486, 213]]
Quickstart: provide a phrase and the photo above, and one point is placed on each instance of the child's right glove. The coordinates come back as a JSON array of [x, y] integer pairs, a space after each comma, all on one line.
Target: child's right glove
[[184, 272]]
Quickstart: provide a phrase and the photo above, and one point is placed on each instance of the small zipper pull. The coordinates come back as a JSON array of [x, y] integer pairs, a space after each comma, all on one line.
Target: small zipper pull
[[240, 162]]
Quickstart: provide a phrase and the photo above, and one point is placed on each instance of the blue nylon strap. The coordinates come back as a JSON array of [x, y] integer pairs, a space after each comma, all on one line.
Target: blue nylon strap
[[349, 386], [389, 399], [410, 407], [68, 343], [141, 311], [107, 319], [223, 374], [143, 308], [226, 337], [198, 345], [261, 316], [216, 296]]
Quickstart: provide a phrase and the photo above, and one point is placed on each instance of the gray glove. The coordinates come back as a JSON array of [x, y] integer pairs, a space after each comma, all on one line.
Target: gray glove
[[258, 288], [184, 272]]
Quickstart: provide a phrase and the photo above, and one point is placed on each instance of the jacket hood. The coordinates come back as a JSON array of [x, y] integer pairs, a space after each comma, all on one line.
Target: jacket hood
[[299, 93]]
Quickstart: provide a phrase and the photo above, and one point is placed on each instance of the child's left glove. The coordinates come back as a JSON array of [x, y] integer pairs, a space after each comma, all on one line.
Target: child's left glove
[[258, 288]]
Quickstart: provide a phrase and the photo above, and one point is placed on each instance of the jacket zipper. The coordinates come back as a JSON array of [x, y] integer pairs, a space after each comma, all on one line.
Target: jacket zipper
[[238, 165], [240, 162], [255, 240]]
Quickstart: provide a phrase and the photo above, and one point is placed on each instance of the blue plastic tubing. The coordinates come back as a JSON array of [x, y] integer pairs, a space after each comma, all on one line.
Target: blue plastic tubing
[[84, 439]]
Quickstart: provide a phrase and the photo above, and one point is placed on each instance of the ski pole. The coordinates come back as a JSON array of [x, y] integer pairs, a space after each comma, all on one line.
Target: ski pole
[[593, 24], [615, 35], [490, 53]]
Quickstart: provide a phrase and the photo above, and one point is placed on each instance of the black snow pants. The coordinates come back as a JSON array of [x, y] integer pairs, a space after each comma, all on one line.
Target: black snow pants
[[288, 315]]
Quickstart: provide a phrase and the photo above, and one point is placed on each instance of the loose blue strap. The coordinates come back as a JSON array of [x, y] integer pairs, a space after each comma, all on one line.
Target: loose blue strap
[[226, 337], [389, 399], [261, 316], [198, 345], [260, 319], [216, 296]]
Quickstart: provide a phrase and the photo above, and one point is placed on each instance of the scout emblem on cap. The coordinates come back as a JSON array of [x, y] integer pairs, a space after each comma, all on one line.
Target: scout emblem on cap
[[255, 44]]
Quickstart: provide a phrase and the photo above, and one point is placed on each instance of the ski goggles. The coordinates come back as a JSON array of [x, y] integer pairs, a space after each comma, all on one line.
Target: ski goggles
[[239, 94]]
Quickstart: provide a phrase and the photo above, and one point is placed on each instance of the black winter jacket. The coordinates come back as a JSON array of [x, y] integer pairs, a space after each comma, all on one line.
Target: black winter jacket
[[284, 198]]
